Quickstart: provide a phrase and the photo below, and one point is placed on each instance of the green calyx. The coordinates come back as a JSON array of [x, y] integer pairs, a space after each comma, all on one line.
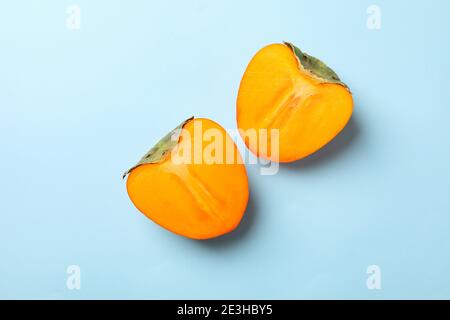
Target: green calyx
[[162, 149], [315, 67]]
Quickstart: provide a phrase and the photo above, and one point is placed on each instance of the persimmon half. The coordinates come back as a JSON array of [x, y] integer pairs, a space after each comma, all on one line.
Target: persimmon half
[[288, 90], [193, 182]]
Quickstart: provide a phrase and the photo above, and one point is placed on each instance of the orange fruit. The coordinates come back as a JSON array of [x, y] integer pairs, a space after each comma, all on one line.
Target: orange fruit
[[193, 182], [288, 90]]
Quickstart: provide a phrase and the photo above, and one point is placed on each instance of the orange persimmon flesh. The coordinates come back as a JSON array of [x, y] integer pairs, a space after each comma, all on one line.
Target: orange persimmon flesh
[[277, 93], [197, 200]]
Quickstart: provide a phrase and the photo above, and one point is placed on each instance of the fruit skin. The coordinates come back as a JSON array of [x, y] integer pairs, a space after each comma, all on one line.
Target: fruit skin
[[196, 200], [286, 89]]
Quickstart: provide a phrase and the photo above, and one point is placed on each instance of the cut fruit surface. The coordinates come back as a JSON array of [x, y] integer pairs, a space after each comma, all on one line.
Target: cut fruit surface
[[287, 90], [184, 191]]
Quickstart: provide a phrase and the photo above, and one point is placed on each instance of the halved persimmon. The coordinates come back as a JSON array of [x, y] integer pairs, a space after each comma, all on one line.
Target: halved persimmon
[[193, 182], [288, 90]]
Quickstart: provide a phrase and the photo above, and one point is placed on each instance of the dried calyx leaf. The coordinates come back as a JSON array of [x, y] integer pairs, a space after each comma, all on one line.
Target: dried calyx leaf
[[315, 67], [162, 149]]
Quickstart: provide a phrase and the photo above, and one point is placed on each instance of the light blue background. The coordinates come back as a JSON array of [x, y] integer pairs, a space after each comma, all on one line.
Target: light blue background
[[77, 108]]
